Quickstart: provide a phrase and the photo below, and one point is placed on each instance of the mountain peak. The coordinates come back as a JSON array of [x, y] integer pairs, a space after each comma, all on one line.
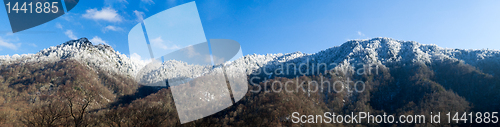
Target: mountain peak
[[81, 41], [100, 57], [85, 43]]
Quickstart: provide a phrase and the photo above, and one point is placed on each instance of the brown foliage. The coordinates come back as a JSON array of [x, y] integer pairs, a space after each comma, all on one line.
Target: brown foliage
[[67, 93]]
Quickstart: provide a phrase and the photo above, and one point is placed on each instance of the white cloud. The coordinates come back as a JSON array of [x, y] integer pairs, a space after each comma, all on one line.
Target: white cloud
[[112, 28], [157, 40], [68, 16], [4, 43], [106, 14], [208, 59], [148, 1], [33, 44], [360, 34], [217, 59], [97, 40], [160, 43], [9, 34], [123, 1], [191, 52], [139, 15], [70, 34], [136, 57], [115, 3], [58, 25]]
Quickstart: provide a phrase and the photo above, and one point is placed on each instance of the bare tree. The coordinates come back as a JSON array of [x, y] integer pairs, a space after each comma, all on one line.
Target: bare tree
[[78, 101], [47, 114]]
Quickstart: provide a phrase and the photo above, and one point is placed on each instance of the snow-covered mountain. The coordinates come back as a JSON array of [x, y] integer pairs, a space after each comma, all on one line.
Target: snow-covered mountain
[[379, 51], [101, 57]]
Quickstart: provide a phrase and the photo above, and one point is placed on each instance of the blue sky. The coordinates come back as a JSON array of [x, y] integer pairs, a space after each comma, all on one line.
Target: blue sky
[[282, 26]]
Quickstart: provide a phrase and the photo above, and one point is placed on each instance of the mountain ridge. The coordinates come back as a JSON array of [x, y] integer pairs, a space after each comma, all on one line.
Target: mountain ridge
[[378, 51], [83, 51], [414, 79]]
